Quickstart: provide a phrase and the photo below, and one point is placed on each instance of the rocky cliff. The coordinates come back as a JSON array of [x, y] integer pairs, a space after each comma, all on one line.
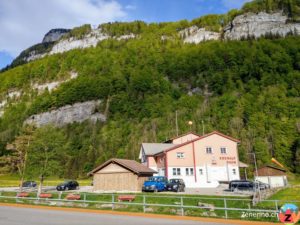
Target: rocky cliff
[[249, 25], [258, 25], [89, 40], [196, 35], [56, 44], [78, 112], [55, 34]]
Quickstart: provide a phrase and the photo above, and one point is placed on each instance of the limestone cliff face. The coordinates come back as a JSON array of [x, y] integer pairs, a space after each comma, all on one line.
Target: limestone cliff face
[[78, 112], [89, 40], [258, 25], [59, 45], [249, 25], [196, 35], [55, 34]]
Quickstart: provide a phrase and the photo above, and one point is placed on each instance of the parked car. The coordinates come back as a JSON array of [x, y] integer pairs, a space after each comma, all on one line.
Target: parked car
[[157, 183], [241, 185], [176, 185], [68, 185], [29, 184]]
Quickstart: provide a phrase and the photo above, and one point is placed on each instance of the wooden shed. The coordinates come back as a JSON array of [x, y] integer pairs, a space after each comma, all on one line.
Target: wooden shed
[[120, 175], [272, 175]]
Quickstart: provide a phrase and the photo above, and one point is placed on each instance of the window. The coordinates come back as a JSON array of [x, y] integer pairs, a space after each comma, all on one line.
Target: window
[[208, 150], [223, 150], [234, 171], [189, 171], [180, 155], [201, 171], [192, 171], [176, 172]]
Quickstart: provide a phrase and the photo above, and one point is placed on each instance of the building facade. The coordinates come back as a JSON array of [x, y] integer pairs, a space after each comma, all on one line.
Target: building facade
[[201, 161], [120, 175]]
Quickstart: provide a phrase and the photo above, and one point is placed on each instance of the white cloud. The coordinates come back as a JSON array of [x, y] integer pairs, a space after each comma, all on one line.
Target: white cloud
[[24, 22], [130, 7]]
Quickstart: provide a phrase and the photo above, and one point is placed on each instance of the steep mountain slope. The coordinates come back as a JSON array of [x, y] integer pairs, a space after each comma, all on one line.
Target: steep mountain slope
[[142, 73]]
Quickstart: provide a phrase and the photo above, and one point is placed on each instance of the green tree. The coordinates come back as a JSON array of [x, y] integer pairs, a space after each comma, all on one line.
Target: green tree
[[18, 157], [46, 153]]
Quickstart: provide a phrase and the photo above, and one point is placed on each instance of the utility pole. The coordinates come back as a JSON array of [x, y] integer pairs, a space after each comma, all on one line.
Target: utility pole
[[176, 121], [256, 174]]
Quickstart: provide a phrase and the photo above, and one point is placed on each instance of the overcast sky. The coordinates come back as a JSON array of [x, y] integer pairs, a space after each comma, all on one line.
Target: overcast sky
[[23, 23]]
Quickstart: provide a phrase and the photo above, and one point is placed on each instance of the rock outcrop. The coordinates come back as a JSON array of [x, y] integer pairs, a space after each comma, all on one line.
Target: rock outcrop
[[89, 40], [77, 112], [62, 45], [55, 34], [251, 25], [196, 35], [53, 85]]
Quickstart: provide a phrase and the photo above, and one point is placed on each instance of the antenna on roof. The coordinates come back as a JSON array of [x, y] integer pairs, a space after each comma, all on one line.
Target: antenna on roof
[[176, 121]]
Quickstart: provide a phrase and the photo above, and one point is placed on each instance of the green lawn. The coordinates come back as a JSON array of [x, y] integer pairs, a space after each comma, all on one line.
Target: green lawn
[[103, 202], [287, 194]]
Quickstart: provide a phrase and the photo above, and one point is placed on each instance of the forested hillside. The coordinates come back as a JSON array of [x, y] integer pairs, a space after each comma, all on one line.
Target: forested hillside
[[248, 89]]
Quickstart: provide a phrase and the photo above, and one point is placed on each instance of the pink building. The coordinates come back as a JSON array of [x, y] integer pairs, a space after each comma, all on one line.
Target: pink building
[[201, 161]]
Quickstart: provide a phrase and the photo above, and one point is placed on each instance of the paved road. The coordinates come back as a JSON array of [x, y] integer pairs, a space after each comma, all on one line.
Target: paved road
[[25, 216]]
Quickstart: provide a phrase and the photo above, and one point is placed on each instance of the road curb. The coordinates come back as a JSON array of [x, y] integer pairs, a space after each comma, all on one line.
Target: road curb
[[146, 215]]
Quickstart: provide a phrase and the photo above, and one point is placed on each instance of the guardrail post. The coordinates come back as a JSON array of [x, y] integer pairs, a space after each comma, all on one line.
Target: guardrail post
[[181, 204], [59, 195], [276, 205], [112, 201], [84, 197], [225, 208], [144, 203]]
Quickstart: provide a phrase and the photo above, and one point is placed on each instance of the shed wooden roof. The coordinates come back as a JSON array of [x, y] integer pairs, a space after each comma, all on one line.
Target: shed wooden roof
[[273, 167], [131, 165], [270, 170]]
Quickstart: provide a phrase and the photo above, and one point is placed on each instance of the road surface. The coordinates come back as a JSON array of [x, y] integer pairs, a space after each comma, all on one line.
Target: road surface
[[27, 216]]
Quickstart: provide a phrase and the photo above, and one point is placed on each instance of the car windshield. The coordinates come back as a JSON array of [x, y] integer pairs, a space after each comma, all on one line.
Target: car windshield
[[65, 183], [174, 181], [156, 179]]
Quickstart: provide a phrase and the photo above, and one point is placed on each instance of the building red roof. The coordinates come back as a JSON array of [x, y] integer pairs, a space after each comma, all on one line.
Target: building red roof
[[202, 137], [191, 132]]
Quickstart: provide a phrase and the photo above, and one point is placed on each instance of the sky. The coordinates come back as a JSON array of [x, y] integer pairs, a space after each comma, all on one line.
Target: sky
[[23, 23]]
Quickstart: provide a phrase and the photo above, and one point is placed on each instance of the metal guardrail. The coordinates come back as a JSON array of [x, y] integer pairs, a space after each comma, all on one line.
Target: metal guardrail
[[112, 203]]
